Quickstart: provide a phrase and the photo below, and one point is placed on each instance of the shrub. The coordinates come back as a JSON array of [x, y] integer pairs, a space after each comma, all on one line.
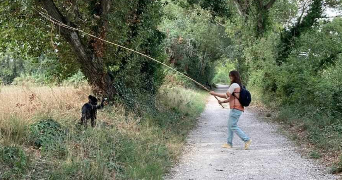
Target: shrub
[[49, 135], [15, 161], [76, 80]]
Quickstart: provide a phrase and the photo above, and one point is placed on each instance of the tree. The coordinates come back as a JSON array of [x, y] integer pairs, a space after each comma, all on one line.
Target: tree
[[194, 42], [218, 8], [304, 24], [257, 11], [109, 70], [89, 56]]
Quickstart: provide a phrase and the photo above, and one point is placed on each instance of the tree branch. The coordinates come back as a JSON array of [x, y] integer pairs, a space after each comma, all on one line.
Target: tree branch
[[239, 8], [303, 11], [71, 37], [269, 4], [101, 10], [92, 65], [242, 7]]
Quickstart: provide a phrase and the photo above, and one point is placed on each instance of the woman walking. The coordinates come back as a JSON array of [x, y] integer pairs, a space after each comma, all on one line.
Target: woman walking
[[236, 109]]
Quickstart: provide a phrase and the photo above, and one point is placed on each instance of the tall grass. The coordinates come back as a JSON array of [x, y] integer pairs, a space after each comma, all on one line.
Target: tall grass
[[24, 105], [122, 146]]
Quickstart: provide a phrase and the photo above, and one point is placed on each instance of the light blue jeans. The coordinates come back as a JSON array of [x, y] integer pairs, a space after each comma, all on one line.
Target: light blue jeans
[[234, 116]]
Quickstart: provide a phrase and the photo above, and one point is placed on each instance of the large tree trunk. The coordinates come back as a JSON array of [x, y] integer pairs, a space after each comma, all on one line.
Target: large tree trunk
[[89, 57]]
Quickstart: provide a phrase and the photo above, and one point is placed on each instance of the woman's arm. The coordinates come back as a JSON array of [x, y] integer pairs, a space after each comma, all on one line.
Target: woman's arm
[[224, 101], [219, 95]]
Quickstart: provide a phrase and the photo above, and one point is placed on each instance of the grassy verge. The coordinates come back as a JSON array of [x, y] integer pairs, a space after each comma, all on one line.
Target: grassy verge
[[310, 128], [39, 138]]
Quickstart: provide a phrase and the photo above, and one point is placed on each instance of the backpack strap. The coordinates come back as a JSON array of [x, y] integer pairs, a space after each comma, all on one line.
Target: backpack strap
[[241, 87], [235, 96], [238, 92]]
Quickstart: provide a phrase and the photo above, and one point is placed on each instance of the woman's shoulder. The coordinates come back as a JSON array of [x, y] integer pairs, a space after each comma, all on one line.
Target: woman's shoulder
[[235, 85]]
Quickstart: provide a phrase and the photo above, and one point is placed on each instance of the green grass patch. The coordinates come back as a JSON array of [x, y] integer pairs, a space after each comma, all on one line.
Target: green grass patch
[[337, 168], [315, 155], [14, 162]]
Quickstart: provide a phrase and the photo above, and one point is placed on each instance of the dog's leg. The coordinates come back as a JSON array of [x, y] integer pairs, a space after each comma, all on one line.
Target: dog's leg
[[93, 123], [81, 121], [85, 120]]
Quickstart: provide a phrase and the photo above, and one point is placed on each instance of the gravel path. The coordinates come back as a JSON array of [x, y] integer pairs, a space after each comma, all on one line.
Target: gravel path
[[271, 155]]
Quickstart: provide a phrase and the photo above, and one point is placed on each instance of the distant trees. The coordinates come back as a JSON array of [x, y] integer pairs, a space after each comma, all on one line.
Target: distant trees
[[195, 41]]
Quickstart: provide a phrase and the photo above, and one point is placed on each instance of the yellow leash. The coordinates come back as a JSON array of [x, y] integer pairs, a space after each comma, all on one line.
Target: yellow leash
[[61, 24]]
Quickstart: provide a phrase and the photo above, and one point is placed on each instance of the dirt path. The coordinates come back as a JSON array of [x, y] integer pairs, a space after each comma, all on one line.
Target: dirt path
[[271, 155]]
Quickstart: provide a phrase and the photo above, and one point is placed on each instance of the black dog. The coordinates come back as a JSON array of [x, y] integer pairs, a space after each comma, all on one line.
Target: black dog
[[89, 110]]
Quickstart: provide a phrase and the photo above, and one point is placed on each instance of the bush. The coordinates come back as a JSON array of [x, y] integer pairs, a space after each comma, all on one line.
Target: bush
[[76, 80], [15, 162], [34, 78], [49, 135]]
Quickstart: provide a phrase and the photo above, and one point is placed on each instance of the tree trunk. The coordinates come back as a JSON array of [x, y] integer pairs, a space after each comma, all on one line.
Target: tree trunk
[[89, 57]]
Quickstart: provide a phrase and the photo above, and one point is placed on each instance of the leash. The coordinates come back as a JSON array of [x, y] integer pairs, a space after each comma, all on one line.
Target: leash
[[61, 24]]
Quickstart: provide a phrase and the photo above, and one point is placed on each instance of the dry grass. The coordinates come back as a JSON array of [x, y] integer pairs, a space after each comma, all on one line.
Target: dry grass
[[23, 105], [141, 147], [26, 102]]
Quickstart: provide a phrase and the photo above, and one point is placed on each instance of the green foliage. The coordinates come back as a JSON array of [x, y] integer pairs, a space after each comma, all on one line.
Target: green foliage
[[135, 27], [315, 155], [76, 80], [23, 41], [222, 72], [50, 136], [33, 44], [294, 69], [304, 24], [217, 8], [305, 88], [188, 45], [36, 79], [14, 162]]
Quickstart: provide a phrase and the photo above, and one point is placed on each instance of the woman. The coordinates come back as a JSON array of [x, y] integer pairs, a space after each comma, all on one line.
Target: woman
[[236, 110]]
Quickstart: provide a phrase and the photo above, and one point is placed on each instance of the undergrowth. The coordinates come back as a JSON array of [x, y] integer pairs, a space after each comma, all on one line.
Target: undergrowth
[[40, 138]]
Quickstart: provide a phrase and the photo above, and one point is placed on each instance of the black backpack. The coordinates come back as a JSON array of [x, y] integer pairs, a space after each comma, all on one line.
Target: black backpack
[[245, 97]]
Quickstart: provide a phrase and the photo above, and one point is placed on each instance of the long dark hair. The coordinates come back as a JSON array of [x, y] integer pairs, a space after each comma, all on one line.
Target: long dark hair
[[236, 77]]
